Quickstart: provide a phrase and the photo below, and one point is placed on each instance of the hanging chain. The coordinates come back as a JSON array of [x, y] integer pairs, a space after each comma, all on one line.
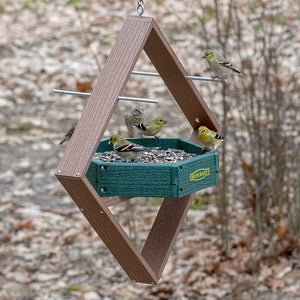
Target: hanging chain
[[140, 8]]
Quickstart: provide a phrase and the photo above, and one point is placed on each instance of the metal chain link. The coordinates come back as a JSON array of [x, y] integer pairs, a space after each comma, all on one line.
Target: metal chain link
[[140, 8]]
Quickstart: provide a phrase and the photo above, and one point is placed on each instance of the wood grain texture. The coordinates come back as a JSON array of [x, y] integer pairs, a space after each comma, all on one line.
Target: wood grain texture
[[103, 101], [194, 137], [137, 33], [164, 231], [173, 74], [110, 201], [108, 229]]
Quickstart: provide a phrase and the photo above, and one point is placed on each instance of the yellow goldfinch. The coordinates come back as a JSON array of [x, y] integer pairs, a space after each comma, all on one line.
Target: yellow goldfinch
[[135, 116], [209, 138], [151, 128], [69, 134], [220, 65], [127, 149]]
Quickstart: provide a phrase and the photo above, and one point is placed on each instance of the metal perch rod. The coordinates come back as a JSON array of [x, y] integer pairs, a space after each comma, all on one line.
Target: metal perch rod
[[143, 99], [187, 77], [120, 97]]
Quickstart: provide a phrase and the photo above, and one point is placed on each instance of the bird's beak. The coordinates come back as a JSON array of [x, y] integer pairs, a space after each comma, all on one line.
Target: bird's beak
[[109, 142], [165, 122], [203, 56]]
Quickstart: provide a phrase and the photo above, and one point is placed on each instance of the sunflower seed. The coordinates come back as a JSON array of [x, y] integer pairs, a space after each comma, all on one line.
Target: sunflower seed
[[154, 156]]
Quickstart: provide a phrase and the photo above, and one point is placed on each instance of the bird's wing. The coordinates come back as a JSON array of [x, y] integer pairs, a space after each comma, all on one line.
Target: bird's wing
[[141, 126], [216, 136], [130, 147], [230, 66]]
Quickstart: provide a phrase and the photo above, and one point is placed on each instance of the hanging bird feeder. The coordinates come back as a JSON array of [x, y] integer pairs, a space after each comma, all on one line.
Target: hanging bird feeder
[[96, 185]]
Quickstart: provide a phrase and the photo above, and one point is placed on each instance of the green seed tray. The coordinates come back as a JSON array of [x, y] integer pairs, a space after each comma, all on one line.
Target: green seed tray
[[155, 179]]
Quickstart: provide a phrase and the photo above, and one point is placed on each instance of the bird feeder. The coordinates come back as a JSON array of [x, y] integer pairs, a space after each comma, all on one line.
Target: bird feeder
[[82, 177], [155, 179]]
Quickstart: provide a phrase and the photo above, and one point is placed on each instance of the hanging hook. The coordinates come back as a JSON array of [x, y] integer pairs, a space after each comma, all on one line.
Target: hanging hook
[[140, 8]]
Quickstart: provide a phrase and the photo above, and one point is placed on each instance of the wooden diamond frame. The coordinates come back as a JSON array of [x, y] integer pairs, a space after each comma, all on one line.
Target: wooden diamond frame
[[137, 33]]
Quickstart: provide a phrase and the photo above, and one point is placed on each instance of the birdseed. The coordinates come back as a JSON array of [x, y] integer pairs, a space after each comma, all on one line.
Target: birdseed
[[153, 156]]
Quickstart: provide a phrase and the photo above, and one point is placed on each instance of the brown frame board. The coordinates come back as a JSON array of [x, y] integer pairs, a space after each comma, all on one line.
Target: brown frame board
[[137, 33]]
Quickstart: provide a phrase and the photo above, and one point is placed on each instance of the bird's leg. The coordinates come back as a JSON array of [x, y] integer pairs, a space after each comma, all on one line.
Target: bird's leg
[[156, 136], [219, 77], [209, 149], [203, 149]]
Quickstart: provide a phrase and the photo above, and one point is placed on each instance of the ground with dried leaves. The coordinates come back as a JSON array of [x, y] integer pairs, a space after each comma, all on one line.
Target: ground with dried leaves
[[47, 249]]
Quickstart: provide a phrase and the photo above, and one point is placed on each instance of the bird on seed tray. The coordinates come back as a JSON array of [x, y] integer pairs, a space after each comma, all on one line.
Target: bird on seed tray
[[133, 117], [151, 128], [127, 149], [209, 138]]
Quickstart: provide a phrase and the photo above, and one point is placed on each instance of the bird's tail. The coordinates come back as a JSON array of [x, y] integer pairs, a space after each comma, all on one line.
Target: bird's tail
[[219, 137], [152, 148], [62, 141], [140, 126]]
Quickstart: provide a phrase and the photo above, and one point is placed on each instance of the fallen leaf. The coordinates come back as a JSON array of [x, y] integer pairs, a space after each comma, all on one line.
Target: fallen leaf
[[84, 87], [26, 224], [217, 292], [281, 269], [291, 289], [228, 268], [46, 277], [35, 132], [275, 283], [241, 287], [248, 169], [70, 235], [281, 230]]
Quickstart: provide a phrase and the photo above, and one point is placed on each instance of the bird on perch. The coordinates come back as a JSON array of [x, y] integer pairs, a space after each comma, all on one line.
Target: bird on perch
[[220, 65], [151, 128], [135, 116], [69, 134], [209, 138], [126, 149]]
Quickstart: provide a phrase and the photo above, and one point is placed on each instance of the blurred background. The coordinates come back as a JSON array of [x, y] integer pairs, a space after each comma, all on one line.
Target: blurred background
[[240, 239]]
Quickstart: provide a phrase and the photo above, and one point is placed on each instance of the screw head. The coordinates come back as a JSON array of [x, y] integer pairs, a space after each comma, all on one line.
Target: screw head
[[77, 174], [58, 171], [101, 211], [82, 209]]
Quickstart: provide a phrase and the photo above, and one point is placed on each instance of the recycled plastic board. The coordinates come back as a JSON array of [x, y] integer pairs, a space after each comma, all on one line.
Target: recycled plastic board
[[134, 179], [137, 34]]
